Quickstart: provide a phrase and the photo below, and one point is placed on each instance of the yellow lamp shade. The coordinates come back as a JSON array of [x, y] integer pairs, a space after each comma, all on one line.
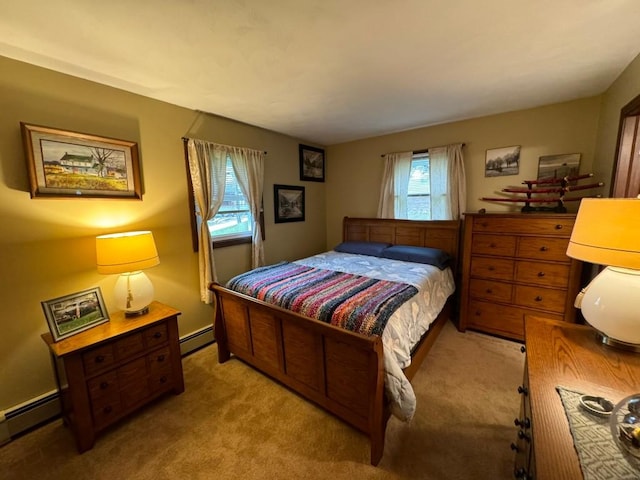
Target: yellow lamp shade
[[126, 252]]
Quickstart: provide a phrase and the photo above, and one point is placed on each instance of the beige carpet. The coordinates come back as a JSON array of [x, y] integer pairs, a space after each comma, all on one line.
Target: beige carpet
[[233, 423]]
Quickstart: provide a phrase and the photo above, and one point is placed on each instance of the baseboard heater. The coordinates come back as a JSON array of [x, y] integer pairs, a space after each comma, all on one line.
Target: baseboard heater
[[37, 411]]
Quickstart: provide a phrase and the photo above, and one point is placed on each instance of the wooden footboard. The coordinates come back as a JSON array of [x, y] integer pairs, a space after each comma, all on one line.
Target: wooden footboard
[[339, 370]]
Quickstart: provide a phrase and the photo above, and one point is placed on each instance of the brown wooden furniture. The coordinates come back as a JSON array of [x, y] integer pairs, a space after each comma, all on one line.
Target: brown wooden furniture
[[516, 264], [110, 370], [566, 355], [337, 369]]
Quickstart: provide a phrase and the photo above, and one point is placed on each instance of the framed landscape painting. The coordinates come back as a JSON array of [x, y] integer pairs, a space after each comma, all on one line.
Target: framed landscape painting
[[71, 164], [559, 166], [502, 161], [311, 163]]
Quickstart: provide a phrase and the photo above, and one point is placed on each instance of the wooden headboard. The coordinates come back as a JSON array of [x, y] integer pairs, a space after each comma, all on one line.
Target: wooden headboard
[[442, 234]]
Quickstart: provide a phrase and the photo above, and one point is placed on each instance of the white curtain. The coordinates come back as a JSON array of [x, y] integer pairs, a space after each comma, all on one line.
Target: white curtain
[[248, 166], [208, 166], [448, 182], [395, 185]]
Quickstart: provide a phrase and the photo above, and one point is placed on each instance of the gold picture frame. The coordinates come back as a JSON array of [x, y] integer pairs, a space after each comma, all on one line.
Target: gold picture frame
[[72, 164]]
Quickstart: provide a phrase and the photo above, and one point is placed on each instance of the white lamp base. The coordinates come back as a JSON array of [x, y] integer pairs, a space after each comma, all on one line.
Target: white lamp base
[[610, 305], [133, 293]]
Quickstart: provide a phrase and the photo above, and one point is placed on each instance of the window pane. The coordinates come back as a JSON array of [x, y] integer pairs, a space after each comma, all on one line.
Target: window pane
[[419, 201], [234, 217]]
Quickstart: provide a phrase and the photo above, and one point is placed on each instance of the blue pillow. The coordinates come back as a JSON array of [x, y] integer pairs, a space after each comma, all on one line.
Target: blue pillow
[[373, 249], [406, 253]]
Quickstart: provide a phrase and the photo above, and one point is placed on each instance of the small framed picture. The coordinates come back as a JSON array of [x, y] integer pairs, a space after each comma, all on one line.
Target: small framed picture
[[75, 313], [559, 166], [72, 164], [288, 203], [502, 161], [311, 163]]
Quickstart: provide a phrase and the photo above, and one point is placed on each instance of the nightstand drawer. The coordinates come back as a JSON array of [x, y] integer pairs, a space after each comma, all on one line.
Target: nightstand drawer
[[105, 411], [103, 386], [502, 245], [491, 290], [98, 358], [155, 336], [538, 248], [546, 274], [497, 268], [129, 346], [541, 298]]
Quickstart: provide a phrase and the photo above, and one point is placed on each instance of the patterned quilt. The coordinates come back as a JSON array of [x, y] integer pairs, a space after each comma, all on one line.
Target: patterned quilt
[[357, 303]]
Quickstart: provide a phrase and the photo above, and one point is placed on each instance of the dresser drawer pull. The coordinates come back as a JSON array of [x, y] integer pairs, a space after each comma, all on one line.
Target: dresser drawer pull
[[522, 435], [160, 358], [514, 447], [478, 313], [107, 409], [544, 249], [526, 423], [541, 274], [99, 359], [163, 379], [523, 349], [523, 390], [492, 245], [491, 268], [538, 298], [523, 474], [489, 290], [104, 385], [558, 227], [157, 335]]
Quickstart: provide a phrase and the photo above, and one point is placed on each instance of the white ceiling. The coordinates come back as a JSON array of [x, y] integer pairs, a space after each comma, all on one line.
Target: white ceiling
[[330, 71]]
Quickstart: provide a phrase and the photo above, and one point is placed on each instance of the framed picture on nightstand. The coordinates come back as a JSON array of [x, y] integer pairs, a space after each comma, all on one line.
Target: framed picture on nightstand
[[75, 313]]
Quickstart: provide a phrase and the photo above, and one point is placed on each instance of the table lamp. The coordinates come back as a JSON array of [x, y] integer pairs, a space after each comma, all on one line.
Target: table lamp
[[128, 254], [607, 232]]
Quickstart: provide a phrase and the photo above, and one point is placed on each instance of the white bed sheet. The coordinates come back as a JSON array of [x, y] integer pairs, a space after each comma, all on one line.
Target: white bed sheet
[[408, 324]]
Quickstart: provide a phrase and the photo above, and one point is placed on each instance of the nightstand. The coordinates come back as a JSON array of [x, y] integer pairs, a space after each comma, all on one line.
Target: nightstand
[[113, 369], [563, 354]]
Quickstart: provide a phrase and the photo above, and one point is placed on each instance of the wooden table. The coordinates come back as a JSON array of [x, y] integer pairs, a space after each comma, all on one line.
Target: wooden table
[[568, 355]]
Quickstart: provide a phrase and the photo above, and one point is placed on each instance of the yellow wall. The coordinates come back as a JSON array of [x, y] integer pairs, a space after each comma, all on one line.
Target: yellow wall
[[561, 128], [47, 245]]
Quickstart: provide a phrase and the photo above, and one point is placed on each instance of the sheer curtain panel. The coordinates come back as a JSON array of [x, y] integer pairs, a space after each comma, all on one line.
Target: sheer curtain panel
[[395, 185]]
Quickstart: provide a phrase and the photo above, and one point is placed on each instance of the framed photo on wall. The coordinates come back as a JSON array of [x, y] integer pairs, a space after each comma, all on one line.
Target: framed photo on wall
[[288, 203], [502, 161], [75, 313], [558, 166], [311, 163], [71, 164]]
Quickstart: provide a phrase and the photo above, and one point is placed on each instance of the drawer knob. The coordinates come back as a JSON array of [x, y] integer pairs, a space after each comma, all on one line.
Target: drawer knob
[[514, 447], [523, 349], [523, 390], [489, 290], [478, 313], [526, 423], [522, 473], [491, 268], [104, 385], [538, 298], [161, 358], [541, 274], [107, 409], [522, 435], [558, 227], [544, 249], [163, 379], [492, 245], [99, 359], [157, 335]]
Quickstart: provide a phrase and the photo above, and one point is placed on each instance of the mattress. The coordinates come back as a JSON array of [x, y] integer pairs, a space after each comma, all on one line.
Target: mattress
[[408, 324]]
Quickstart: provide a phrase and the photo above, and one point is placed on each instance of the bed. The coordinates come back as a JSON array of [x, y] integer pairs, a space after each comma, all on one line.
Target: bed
[[340, 370]]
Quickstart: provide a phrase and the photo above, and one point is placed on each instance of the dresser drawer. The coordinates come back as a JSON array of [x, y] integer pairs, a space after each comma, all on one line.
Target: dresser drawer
[[502, 245], [525, 224], [103, 386], [98, 358], [132, 379], [541, 298], [105, 410], [129, 346], [545, 274], [496, 268], [540, 248], [505, 320], [491, 290], [155, 336]]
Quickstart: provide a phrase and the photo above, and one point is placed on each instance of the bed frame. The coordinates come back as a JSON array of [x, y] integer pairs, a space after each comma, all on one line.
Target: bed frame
[[339, 370]]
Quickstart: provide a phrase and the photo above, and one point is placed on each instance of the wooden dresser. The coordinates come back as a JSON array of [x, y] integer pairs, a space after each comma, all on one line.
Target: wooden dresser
[[516, 264], [567, 355], [110, 370]]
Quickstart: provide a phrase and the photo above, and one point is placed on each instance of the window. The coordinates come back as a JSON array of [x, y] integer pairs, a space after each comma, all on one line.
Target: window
[[233, 220], [419, 193]]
